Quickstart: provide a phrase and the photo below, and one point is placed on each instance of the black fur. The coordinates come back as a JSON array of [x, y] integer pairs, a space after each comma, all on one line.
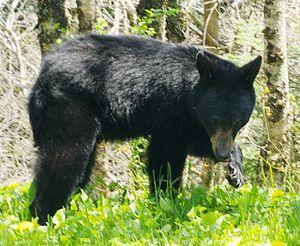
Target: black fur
[[96, 88]]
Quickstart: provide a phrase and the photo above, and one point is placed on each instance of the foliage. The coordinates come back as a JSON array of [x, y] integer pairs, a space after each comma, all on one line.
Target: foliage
[[248, 36], [145, 23], [101, 26], [143, 26], [246, 216]]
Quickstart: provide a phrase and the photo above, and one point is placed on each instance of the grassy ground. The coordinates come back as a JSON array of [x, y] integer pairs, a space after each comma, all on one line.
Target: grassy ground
[[223, 216]]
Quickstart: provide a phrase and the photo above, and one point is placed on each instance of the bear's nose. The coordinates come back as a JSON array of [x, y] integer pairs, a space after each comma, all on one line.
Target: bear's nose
[[223, 149], [222, 156]]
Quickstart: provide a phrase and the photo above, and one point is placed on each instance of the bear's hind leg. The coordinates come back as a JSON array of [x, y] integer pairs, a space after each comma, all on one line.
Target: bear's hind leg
[[59, 173], [66, 137]]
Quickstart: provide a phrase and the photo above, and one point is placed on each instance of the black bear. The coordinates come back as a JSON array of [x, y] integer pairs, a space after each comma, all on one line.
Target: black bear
[[96, 88]]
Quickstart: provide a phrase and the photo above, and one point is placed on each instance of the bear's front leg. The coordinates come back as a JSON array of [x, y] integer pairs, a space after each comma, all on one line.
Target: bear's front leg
[[166, 159], [235, 175]]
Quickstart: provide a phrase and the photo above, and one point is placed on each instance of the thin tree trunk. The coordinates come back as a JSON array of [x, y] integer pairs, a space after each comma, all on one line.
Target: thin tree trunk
[[162, 23], [86, 15], [177, 24], [56, 19], [276, 154], [173, 27], [211, 25], [117, 18]]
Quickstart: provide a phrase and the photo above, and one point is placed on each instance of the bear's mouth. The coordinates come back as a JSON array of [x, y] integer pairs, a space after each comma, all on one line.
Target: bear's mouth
[[222, 161]]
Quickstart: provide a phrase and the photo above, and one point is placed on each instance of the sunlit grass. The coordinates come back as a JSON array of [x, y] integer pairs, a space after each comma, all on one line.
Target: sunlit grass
[[247, 216]]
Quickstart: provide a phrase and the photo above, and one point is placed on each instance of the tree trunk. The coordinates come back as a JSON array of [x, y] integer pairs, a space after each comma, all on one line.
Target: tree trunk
[[86, 15], [211, 25], [177, 23], [171, 26], [276, 153], [55, 20]]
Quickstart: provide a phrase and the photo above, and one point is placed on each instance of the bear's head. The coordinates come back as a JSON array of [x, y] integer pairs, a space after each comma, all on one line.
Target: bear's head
[[223, 99]]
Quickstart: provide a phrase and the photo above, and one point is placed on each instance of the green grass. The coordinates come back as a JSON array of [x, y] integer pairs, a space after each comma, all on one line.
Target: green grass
[[248, 216], [221, 216]]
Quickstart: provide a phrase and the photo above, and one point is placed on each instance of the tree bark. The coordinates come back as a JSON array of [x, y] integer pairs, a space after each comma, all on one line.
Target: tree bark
[[211, 25], [55, 19], [86, 15], [276, 152]]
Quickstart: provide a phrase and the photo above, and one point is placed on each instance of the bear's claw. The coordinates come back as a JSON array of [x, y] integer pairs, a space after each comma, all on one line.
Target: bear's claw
[[235, 176]]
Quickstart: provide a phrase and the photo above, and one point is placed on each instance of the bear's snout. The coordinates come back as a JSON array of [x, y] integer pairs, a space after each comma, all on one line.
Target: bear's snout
[[222, 143]]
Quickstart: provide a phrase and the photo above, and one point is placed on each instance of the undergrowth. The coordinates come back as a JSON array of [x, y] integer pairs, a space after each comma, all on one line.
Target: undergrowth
[[222, 216]]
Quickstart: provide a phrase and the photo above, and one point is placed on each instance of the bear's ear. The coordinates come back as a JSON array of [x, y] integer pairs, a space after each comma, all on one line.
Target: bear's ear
[[205, 65], [249, 71]]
